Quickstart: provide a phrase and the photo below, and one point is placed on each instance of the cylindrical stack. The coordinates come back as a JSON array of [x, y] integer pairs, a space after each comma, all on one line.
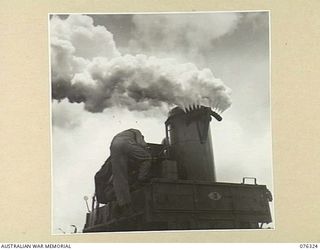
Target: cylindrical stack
[[190, 143]]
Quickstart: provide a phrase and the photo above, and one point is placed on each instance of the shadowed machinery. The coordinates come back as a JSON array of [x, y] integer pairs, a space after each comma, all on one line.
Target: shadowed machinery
[[182, 192]]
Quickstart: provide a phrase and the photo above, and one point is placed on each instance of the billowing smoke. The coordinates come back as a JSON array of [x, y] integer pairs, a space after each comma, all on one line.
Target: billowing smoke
[[87, 68]]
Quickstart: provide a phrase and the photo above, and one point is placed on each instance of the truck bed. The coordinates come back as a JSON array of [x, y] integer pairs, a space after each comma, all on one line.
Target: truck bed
[[165, 204]]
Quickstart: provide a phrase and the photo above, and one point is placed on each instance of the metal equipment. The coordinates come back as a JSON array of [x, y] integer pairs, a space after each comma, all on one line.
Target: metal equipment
[[183, 193], [189, 137]]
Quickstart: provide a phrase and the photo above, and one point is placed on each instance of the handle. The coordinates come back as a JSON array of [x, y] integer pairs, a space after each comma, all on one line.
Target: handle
[[216, 115]]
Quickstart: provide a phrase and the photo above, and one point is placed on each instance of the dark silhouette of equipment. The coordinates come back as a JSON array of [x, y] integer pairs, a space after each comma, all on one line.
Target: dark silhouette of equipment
[[190, 143], [75, 229], [86, 198], [182, 192], [60, 229]]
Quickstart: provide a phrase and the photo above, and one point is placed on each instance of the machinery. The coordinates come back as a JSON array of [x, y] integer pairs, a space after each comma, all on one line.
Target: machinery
[[183, 193]]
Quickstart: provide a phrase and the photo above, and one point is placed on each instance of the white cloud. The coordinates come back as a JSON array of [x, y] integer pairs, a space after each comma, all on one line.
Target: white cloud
[[181, 33], [88, 41], [87, 68]]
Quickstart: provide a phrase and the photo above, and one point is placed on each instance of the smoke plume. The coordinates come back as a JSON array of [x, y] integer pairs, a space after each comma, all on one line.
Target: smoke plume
[[88, 68]]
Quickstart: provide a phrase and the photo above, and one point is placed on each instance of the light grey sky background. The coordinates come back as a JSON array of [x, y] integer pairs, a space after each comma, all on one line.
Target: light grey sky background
[[234, 46]]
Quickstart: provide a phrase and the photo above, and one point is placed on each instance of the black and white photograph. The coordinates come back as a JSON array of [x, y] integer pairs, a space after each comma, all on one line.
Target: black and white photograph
[[161, 122]]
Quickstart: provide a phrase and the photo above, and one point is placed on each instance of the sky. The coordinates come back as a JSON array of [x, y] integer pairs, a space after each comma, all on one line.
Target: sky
[[98, 64]]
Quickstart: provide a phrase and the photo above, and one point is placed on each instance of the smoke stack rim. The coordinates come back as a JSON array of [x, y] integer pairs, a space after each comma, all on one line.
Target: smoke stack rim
[[177, 111]]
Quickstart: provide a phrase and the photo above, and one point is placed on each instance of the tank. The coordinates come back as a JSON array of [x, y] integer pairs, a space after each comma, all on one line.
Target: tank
[[189, 137]]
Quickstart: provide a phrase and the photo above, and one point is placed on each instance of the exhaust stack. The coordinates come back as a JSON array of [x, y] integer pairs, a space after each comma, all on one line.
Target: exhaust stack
[[188, 134]]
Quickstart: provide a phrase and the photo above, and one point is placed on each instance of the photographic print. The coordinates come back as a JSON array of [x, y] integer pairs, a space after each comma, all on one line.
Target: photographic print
[[161, 121]]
